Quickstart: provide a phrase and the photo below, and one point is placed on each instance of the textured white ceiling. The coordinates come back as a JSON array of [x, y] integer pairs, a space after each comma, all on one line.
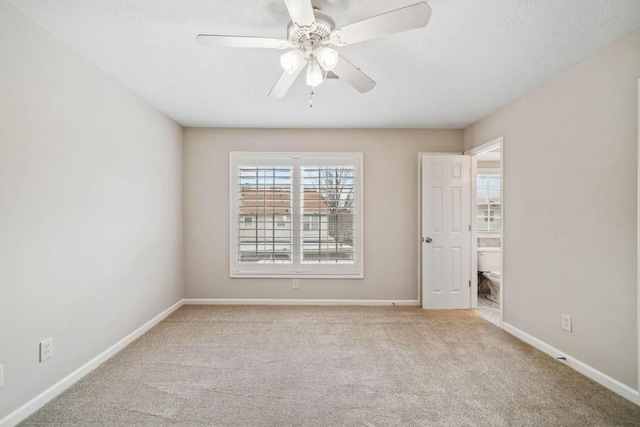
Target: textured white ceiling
[[473, 57]]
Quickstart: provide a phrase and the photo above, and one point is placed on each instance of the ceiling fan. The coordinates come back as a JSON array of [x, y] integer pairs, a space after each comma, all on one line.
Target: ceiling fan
[[310, 34]]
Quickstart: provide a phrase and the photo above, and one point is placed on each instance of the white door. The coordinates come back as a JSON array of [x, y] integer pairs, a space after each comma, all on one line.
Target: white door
[[446, 231]]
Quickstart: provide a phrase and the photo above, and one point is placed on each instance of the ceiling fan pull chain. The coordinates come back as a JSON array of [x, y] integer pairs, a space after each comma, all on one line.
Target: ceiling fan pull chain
[[311, 98]]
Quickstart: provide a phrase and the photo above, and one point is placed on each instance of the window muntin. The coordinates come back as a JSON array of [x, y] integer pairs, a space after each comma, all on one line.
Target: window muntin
[[304, 210]]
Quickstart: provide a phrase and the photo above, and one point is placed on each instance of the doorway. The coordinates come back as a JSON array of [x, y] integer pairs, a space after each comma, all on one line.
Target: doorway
[[438, 291], [487, 176]]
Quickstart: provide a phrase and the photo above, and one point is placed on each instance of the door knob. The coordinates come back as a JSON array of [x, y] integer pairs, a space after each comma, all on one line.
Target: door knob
[[427, 239]]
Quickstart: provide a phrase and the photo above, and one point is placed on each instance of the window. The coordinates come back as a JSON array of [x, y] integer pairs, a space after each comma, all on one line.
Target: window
[[247, 221], [488, 203], [282, 221], [296, 214], [310, 222]]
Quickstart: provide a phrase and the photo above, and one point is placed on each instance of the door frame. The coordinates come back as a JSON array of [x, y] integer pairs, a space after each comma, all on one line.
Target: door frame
[[473, 152], [638, 242]]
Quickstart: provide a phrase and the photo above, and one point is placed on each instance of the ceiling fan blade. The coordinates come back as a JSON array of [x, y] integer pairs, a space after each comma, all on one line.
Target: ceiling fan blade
[[396, 21], [283, 84], [242, 41], [352, 75], [301, 12]]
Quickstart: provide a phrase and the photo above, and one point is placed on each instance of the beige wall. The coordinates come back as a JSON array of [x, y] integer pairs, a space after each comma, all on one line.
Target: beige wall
[[390, 210], [90, 210], [570, 165]]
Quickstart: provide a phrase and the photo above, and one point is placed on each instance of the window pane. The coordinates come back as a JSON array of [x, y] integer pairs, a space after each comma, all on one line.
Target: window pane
[[328, 212], [265, 233], [494, 188], [488, 203], [482, 188], [483, 222], [494, 225]]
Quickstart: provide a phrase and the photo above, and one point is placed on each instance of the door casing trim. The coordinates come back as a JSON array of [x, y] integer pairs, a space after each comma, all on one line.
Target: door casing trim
[[473, 152]]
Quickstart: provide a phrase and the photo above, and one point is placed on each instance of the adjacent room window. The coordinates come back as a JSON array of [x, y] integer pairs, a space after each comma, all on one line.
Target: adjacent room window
[[296, 214], [489, 220], [247, 221]]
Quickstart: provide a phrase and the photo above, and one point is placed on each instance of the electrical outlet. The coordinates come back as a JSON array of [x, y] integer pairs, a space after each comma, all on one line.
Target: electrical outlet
[[296, 284], [1, 376], [46, 349], [566, 322]]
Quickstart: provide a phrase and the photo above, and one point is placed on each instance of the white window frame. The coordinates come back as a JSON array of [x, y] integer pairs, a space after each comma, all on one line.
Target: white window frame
[[296, 268]]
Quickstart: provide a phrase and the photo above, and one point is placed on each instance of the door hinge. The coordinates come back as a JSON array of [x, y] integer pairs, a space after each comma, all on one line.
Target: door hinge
[[469, 283], [469, 227]]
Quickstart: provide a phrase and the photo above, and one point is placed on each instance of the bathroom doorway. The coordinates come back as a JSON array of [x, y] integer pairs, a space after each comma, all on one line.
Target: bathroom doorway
[[487, 195]]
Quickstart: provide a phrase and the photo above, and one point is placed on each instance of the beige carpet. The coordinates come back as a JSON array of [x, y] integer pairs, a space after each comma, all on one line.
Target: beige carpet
[[333, 366]]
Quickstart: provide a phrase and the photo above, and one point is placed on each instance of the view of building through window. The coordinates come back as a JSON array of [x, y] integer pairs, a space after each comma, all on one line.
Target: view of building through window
[[326, 210], [296, 214], [327, 196], [265, 206]]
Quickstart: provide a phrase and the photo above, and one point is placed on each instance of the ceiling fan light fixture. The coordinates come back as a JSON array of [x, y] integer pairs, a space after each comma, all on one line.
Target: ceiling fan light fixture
[[327, 57], [292, 61], [314, 74]]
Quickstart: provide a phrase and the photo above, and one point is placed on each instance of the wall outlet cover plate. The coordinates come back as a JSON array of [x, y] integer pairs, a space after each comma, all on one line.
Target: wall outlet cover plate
[[46, 349]]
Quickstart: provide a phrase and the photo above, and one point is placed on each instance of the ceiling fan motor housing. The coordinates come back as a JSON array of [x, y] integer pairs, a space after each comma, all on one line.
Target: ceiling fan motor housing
[[315, 34]]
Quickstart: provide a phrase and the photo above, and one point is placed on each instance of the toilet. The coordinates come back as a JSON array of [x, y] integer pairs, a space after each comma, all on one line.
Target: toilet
[[494, 285], [489, 267]]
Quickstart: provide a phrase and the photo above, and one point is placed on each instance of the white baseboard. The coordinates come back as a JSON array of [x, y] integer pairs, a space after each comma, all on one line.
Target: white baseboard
[[586, 370], [239, 301], [43, 398]]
